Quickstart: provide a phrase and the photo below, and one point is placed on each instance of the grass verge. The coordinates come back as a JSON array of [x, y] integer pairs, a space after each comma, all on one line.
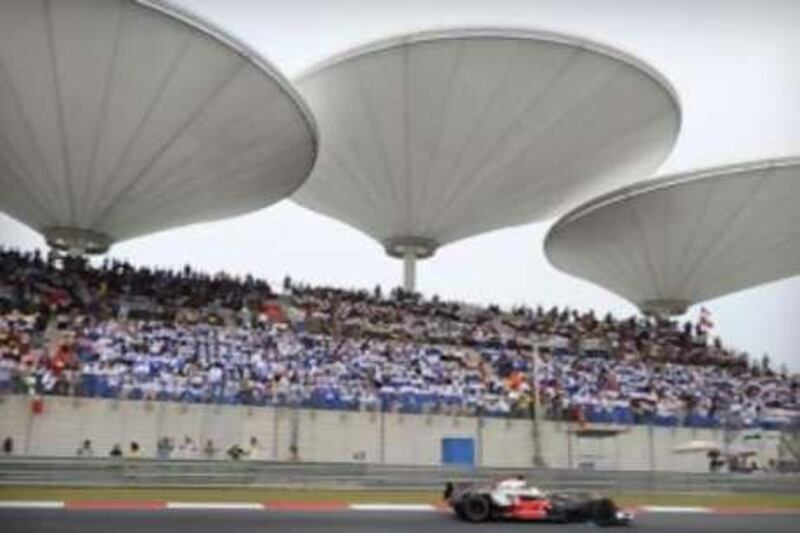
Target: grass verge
[[759, 500]]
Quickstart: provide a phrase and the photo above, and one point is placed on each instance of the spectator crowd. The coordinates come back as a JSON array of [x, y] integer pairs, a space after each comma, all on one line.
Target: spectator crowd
[[116, 331]]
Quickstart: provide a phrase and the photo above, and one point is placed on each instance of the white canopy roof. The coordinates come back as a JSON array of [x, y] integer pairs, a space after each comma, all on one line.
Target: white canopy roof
[[671, 242], [437, 136], [119, 118]]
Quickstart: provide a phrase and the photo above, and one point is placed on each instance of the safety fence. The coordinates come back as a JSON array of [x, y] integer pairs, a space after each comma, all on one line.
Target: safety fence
[[149, 473]]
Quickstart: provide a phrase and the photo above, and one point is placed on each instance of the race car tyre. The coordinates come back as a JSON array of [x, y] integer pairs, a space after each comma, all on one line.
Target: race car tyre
[[559, 516], [476, 508], [604, 513]]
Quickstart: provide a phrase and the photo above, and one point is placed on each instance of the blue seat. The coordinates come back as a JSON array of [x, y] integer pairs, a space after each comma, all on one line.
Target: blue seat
[[350, 405], [699, 421], [410, 404], [451, 401], [605, 416], [592, 414], [105, 390], [622, 415], [665, 421], [332, 400], [230, 399], [89, 386]]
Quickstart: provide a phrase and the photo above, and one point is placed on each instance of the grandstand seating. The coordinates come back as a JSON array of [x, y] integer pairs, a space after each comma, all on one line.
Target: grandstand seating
[[122, 332]]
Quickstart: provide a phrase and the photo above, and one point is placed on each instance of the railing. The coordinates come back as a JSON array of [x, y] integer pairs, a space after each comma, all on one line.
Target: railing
[[109, 472]]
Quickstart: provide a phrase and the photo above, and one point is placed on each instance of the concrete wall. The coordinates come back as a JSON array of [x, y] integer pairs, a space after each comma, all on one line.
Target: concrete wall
[[346, 436]]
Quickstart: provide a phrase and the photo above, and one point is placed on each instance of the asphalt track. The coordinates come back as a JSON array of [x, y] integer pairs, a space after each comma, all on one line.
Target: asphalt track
[[207, 521]]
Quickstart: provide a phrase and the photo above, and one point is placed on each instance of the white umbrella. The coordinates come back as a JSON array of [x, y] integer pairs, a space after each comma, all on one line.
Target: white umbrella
[[742, 450], [697, 446]]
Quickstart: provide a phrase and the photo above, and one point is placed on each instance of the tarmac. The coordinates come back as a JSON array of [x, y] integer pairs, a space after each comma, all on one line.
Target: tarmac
[[208, 520]]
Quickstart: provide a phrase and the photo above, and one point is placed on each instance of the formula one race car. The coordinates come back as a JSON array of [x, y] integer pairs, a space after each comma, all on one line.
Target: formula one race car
[[513, 499]]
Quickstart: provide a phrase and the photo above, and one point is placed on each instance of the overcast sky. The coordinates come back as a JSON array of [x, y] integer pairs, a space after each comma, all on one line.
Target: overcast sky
[[735, 65]]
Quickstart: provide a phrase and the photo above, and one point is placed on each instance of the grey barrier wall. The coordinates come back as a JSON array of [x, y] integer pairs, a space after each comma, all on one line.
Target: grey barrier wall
[[219, 473], [308, 436]]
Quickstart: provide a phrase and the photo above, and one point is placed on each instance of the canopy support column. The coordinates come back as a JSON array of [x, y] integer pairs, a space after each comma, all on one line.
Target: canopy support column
[[76, 241], [536, 428], [409, 270], [410, 249]]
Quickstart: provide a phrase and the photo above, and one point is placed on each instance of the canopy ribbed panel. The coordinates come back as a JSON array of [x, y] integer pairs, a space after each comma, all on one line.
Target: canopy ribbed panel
[[118, 118], [689, 237], [445, 135]]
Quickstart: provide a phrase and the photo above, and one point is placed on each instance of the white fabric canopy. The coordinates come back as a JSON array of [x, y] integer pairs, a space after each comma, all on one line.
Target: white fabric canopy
[[439, 136], [119, 118], [679, 240]]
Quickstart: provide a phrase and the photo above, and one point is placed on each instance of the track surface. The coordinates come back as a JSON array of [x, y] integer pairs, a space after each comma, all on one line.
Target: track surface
[[196, 521]]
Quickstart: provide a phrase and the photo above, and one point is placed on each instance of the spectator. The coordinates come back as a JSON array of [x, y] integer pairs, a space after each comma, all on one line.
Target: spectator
[[209, 450], [116, 451], [8, 446], [235, 452], [135, 451], [122, 332], [85, 449], [715, 463], [294, 452], [253, 451], [187, 449], [164, 447]]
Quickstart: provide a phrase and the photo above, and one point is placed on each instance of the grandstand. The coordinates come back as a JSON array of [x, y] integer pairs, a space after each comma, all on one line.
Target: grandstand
[[122, 332]]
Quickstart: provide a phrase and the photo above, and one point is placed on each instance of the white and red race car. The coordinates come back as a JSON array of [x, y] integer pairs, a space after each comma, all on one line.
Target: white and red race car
[[514, 499]]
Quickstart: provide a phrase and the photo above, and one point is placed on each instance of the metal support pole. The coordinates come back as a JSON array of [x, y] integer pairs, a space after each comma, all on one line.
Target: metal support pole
[[382, 442], [409, 270], [479, 423], [538, 460], [275, 431], [294, 432]]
